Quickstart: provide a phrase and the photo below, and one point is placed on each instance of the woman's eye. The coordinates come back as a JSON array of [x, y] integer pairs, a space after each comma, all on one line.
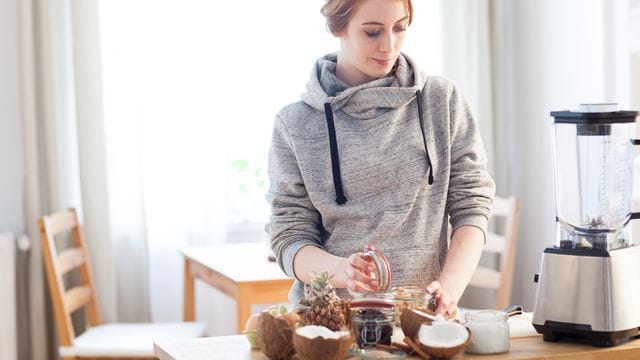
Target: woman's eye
[[372, 34], [401, 29]]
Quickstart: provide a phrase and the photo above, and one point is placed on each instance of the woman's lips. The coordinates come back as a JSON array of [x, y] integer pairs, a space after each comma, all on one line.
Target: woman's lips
[[382, 62]]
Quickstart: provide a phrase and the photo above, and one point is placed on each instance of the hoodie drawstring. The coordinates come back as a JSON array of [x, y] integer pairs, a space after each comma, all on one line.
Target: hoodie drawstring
[[335, 159], [424, 139]]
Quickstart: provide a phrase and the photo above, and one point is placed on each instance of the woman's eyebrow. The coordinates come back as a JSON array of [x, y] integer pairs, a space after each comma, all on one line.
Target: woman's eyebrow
[[379, 23]]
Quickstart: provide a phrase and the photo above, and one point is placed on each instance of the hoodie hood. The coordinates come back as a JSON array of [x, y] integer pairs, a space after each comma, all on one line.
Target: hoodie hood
[[365, 101]]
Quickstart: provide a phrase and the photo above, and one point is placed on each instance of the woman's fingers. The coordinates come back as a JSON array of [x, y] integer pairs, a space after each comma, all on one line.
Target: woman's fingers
[[358, 275], [442, 307], [358, 261], [360, 272], [433, 287], [357, 286], [444, 302], [445, 305]]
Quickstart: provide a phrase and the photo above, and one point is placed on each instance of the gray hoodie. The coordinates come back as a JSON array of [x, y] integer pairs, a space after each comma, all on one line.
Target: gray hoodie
[[382, 169]]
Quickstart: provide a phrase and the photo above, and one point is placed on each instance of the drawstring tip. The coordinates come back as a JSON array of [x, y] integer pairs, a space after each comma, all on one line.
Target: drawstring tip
[[430, 178], [341, 200]]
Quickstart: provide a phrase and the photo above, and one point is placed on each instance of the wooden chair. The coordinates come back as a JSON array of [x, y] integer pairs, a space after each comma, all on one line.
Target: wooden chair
[[503, 243], [98, 341]]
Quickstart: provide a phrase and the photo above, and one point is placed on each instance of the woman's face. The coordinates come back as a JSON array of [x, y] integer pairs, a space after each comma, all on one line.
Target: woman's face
[[372, 40]]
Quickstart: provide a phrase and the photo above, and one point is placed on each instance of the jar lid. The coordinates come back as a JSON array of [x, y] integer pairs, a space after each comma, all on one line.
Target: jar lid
[[485, 316], [373, 300], [381, 265]]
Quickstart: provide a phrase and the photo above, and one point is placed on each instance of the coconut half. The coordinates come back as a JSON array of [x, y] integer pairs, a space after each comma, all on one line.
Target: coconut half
[[412, 319], [443, 339], [319, 343], [275, 337]]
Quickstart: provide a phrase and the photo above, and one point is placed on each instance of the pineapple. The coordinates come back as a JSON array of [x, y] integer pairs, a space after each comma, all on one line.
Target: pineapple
[[325, 306]]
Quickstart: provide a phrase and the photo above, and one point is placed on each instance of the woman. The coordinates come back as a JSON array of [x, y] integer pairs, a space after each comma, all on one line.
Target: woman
[[377, 152]]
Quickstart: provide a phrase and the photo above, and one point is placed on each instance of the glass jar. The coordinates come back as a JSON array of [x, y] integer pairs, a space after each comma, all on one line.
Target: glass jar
[[411, 297], [372, 319], [489, 331]]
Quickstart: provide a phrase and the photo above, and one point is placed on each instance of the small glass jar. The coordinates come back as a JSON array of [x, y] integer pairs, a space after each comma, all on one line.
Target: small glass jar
[[372, 318], [411, 297], [489, 331]]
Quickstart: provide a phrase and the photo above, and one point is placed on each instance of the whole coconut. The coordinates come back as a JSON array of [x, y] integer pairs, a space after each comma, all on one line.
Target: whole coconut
[[275, 337], [319, 343], [412, 319]]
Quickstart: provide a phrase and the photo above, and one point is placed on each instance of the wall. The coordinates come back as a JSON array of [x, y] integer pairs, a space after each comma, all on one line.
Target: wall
[[11, 153]]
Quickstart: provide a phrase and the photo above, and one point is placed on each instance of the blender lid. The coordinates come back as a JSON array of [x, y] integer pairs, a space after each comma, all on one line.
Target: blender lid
[[600, 113]]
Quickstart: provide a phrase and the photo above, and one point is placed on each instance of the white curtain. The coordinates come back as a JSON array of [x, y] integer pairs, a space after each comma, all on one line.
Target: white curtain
[[65, 159], [467, 60], [530, 58], [52, 174]]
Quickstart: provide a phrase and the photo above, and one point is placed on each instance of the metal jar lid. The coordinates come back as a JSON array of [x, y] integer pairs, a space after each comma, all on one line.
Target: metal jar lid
[[382, 269]]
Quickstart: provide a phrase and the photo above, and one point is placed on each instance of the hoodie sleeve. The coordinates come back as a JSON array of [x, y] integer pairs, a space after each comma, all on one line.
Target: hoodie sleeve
[[471, 188], [294, 221]]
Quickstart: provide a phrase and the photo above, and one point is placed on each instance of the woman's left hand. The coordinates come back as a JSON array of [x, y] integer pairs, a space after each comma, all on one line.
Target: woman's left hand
[[445, 302]]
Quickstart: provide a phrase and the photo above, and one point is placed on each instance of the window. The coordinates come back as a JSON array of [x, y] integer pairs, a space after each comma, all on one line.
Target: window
[[195, 85]]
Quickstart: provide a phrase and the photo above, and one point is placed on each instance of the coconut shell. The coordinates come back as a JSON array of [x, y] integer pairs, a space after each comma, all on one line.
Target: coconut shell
[[446, 352], [275, 337], [410, 321], [320, 348]]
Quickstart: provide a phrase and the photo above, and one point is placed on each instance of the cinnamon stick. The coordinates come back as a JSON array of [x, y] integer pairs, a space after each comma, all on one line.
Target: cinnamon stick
[[416, 348], [403, 347], [395, 347]]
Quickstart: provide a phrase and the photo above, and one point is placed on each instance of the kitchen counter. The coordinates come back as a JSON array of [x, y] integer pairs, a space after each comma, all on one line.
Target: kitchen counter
[[529, 347]]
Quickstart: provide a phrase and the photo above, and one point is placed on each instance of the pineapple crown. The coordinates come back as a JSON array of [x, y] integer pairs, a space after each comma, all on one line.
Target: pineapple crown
[[321, 287]]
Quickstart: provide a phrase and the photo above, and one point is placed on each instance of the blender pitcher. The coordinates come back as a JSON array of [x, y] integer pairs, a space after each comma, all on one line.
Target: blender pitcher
[[594, 176]]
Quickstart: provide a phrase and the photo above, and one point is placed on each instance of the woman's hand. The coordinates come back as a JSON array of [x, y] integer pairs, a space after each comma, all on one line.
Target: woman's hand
[[354, 273], [445, 302], [359, 272]]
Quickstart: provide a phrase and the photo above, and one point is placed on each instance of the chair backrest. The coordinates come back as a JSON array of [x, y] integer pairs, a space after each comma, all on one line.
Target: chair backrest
[[503, 243], [59, 263]]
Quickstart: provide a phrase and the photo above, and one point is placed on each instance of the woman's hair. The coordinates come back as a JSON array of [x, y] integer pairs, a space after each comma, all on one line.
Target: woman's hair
[[339, 12]]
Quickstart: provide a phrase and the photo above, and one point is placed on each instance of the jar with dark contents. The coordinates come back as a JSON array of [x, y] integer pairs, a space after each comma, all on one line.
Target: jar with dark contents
[[372, 319]]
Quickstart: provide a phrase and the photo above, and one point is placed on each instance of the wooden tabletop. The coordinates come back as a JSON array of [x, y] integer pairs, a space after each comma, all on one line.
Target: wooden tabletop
[[245, 262], [531, 347]]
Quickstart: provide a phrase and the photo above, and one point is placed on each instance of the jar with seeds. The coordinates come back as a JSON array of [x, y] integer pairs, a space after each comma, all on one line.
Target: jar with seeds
[[411, 297]]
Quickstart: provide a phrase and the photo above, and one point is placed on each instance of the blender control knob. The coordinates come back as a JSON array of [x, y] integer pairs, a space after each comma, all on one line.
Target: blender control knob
[[536, 276]]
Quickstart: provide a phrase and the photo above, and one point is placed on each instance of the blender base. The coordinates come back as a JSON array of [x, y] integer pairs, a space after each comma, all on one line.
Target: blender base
[[554, 331], [588, 296]]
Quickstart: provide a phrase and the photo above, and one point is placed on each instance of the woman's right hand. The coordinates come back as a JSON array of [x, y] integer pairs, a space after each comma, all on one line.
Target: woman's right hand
[[359, 272]]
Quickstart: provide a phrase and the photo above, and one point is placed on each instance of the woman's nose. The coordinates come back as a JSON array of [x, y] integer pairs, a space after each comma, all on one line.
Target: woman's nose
[[387, 42]]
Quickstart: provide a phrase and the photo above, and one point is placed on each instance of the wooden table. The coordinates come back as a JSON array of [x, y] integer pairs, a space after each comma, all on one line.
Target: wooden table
[[241, 271], [532, 347]]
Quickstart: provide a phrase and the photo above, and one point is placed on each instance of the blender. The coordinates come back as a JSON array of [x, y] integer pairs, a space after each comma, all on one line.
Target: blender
[[588, 288]]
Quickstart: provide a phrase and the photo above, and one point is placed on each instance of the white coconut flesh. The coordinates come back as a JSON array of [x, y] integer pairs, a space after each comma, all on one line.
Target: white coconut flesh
[[314, 331], [443, 334]]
